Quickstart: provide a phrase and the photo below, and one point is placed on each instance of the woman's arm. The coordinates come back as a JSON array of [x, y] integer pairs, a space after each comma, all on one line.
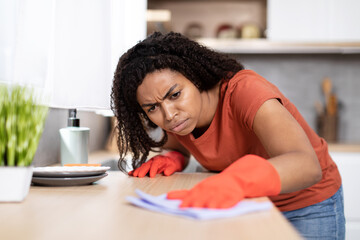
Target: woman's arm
[[289, 148]]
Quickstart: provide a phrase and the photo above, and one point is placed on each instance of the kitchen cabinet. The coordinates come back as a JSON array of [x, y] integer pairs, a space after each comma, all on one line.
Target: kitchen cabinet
[[307, 20], [292, 20], [349, 165], [209, 16]]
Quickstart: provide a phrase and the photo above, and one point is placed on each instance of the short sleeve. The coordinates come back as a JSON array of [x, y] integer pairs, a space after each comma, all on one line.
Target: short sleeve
[[248, 93]]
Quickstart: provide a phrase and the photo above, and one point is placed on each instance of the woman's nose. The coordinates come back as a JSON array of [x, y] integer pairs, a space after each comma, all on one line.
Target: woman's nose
[[169, 111]]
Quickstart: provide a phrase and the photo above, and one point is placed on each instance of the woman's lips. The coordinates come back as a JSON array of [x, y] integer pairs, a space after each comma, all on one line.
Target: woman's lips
[[179, 126]]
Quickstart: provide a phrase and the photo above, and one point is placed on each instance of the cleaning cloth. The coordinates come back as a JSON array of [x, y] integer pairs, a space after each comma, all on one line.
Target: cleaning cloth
[[163, 205]]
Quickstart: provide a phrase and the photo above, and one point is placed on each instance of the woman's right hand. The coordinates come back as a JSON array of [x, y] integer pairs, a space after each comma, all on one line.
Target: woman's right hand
[[167, 164]]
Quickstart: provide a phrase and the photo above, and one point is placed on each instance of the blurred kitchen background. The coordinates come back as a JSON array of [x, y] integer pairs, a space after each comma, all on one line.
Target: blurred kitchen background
[[309, 49], [294, 44]]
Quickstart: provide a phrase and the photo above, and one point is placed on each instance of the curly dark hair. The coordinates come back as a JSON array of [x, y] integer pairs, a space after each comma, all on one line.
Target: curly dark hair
[[202, 66]]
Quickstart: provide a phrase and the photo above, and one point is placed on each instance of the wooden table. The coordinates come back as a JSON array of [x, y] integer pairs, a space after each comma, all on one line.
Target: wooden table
[[100, 211]]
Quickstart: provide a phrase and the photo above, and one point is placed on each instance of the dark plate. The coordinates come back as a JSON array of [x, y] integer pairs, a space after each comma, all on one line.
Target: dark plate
[[66, 181]]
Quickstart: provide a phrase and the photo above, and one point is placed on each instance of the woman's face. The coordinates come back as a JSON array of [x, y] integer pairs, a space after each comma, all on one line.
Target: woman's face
[[171, 101]]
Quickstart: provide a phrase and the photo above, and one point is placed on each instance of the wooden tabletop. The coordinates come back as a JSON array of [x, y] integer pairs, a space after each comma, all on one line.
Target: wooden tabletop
[[100, 211]]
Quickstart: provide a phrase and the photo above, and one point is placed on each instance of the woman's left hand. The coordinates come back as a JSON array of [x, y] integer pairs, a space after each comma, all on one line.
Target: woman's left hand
[[168, 164]]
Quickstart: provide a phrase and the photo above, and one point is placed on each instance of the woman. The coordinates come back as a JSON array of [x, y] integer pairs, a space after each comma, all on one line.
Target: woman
[[232, 121]]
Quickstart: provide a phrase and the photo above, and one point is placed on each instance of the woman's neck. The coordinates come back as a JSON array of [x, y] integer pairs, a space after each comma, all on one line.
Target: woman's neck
[[210, 104]]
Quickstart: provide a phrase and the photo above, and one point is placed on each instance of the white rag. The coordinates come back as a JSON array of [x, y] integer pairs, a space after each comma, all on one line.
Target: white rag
[[162, 204]]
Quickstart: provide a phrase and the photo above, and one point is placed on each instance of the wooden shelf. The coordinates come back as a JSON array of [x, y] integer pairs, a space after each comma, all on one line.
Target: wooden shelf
[[264, 46]]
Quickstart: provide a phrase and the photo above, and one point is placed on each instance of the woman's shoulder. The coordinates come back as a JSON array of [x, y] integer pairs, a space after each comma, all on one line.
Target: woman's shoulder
[[244, 81], [245, 92], [245, 75]]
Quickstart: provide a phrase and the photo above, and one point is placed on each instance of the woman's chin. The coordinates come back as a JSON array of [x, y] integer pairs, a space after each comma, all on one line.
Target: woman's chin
[[183, 132]]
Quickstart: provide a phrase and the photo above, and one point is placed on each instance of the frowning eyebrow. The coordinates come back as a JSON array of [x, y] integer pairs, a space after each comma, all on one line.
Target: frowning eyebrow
[[166, 95]]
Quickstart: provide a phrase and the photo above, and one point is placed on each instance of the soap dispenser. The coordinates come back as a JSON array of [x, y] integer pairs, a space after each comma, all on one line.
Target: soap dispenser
[[74, 141]]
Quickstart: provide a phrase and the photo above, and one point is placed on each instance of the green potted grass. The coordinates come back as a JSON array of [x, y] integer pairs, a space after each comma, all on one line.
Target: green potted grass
[[21, 124]]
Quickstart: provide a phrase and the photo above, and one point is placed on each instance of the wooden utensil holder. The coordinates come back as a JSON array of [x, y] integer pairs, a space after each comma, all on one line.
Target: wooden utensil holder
[[327, 127]]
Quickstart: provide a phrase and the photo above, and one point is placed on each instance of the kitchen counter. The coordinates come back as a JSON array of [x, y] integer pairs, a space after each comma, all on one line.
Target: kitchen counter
[[264, 46], [100, 211], [338, 147]]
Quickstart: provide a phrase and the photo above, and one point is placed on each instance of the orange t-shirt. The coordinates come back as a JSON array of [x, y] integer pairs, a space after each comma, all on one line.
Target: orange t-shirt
[[231, 136]]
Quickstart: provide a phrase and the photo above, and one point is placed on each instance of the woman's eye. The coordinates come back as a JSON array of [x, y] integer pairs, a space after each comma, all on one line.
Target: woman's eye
[[152, 109], [175, 95]]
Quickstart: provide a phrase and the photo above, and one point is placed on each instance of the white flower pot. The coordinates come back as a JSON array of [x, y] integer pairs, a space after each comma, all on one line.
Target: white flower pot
[[14, 183]]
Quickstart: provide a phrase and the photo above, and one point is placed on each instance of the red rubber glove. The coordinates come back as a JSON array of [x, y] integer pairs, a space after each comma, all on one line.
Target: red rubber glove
[[249, 176], [168, 164]]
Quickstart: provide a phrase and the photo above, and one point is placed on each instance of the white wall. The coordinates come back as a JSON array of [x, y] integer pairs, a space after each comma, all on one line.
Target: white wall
[[68, 49]]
